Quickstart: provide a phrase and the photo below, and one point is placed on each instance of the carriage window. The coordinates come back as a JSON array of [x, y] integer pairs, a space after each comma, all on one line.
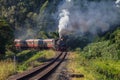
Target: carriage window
[[49, 42], [35, 42], [40, 42], [30, 42]]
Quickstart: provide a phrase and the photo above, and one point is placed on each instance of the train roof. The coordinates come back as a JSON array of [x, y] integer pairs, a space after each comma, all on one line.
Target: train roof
[[34, 39], [17, 40], [48, 39]]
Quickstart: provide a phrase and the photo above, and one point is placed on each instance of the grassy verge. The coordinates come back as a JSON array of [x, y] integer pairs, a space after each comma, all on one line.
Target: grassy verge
[[36, 59], [108, 69], [93, 69], [78, 65], [6, 69], [26, 59], [99, 60]]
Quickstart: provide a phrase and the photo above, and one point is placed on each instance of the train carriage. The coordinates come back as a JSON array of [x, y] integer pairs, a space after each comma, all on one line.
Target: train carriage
[[20, 44], [49, 43], [38, 43], [30, 43], [57, 44], [35, 43]]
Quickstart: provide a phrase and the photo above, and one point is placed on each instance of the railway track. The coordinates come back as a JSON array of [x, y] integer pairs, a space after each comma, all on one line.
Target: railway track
[[40, 72]]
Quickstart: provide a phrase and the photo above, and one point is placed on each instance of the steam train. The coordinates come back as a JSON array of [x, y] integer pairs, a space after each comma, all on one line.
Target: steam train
[[56, 44]]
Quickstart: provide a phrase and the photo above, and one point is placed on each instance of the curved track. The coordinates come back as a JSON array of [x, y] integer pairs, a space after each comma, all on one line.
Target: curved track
[[40, 72]]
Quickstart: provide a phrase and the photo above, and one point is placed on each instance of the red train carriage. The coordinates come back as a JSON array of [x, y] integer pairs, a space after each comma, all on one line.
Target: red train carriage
[[38, 43], [49, 43], [30, 43], [34, 43], [17, 43], [20, 44]]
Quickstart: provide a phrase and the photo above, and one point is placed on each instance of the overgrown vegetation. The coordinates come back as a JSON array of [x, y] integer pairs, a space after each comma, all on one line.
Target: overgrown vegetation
[[79, 41], [6, 69], [33, 15], [6, 36], [76, 65], [99, 60], [29, 59], [24, 60]]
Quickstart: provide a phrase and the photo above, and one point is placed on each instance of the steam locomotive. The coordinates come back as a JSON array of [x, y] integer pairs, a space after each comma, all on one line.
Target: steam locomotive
[[56, 44]]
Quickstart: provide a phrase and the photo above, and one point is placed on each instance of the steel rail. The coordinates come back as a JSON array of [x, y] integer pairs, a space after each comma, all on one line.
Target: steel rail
[[40, 71]]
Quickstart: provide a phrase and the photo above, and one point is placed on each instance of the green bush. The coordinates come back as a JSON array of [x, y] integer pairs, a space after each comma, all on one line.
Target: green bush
[[29, 59], [101, 50], [108, 68], [102, 58]]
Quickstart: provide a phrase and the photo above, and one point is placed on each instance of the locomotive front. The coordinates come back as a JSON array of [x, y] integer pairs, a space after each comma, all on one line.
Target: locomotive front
[[61, 44]]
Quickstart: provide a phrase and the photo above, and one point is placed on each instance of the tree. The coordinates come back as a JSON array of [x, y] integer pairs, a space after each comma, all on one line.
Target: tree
[[6, 36]]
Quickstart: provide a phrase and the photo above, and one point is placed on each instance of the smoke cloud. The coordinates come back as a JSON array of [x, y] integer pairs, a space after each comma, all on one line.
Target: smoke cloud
[[63, 22], [79, 17], [117, 3]]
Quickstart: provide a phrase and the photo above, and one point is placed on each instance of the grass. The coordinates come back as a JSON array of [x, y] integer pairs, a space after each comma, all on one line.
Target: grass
[[26, 59], [25, 55], [77, 65], [109, 69], [93, 69], [35, 60], [6, 69], [104, 59], [98, 60]]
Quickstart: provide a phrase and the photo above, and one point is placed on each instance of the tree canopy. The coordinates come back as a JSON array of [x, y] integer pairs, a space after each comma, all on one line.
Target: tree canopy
[[6, 36]]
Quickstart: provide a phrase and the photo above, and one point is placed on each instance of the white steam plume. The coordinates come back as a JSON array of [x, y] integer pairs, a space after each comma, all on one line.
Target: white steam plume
[[64, 19], [63, 22], [117, 2], [81, 16]]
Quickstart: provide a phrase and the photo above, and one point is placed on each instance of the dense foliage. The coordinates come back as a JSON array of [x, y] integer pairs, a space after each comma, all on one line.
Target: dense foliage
[[29, 14], [74, 42], [108, 48], [103, 57], [6, 36]]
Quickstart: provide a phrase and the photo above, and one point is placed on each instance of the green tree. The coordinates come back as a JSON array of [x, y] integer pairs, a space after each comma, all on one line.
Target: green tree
[[6, 36]]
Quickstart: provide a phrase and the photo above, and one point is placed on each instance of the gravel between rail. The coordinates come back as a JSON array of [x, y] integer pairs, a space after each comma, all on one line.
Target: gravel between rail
[[61, 73]]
